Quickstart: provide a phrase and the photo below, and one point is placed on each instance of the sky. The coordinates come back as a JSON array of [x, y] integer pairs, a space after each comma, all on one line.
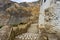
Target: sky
[[19, 1]]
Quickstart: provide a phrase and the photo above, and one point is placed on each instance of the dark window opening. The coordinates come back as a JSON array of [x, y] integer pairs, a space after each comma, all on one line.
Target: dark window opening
[[44, 0], [1, 26]]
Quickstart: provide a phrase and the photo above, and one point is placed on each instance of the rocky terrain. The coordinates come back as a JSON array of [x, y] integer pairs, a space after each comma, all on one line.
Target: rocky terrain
[[16, 12], [16, 18], [19, 21]]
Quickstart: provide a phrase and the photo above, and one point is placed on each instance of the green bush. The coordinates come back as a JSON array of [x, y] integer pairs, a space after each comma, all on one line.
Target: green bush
[[1, 26]]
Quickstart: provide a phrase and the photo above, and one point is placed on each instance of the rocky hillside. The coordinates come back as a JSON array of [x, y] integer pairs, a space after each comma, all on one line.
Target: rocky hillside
[[16, 13], [18, 17]]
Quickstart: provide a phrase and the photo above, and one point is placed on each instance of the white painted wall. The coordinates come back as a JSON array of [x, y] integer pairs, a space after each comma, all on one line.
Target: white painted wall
[[42, 9]]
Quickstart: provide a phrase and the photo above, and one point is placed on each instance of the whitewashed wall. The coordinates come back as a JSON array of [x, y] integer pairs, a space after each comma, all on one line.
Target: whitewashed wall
[[44, 6]]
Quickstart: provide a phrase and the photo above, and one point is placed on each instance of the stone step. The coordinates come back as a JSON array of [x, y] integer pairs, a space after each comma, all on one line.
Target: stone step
[[32, 33], [33, 28], [28, 36]]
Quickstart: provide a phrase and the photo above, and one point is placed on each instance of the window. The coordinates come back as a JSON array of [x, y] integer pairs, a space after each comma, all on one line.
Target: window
[[44, 0]]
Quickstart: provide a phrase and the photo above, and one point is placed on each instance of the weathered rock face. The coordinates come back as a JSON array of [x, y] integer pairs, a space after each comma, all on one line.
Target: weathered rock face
[[5, 33], [3, 18], [24, 4], [18, 14], [14, 13], [4, 1]]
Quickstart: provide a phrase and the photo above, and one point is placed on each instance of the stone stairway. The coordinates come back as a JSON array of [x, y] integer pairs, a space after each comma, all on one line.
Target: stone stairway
[[31, 34], [28, 36]]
